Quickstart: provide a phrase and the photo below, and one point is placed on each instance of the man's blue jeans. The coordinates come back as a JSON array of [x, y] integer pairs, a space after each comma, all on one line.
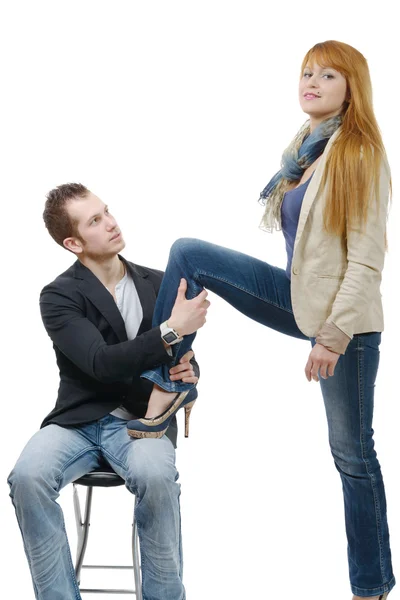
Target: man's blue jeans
[[56, 456], [262, 292]]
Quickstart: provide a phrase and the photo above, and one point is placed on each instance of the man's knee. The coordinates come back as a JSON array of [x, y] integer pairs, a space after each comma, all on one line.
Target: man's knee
[[20, 481], [152, 468], [27, 479]]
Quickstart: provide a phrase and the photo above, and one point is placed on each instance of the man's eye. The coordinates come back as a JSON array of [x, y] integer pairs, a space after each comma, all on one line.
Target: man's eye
[[95, 220]]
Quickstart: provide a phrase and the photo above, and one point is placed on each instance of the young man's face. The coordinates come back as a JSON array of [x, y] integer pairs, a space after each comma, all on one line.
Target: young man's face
[[100, 236]]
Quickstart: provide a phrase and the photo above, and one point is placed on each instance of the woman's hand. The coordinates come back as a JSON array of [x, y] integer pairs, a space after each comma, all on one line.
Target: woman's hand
[[184, 370], [323, 360]]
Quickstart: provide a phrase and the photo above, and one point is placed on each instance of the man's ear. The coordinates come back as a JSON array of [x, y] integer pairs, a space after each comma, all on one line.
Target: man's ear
[[73, 244]]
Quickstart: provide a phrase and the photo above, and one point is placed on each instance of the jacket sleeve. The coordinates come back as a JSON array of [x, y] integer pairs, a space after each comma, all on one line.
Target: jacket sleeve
[[365, 256], [82, 343]]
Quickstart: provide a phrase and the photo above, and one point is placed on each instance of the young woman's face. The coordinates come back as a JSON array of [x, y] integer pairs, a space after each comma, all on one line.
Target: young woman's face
[[322, 92]]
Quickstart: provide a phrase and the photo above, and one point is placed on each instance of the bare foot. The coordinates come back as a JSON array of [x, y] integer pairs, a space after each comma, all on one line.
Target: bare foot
[[369, 598], [159, 402]]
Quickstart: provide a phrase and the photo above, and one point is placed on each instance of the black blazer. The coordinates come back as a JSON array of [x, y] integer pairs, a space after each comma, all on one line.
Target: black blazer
[[99, 367]]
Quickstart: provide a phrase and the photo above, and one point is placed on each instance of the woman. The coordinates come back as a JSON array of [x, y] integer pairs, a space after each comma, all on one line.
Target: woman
[[330, 198]]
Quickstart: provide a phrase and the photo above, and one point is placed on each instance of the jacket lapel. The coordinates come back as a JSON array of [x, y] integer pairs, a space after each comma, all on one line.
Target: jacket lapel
[[98, 295], [312, 189]]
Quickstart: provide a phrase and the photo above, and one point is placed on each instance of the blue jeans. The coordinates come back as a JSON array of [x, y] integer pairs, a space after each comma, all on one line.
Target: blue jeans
[[54, 457], [262, 292]]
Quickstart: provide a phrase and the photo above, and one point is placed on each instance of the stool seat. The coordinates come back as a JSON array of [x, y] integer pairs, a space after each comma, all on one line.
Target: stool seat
[[103, 476]]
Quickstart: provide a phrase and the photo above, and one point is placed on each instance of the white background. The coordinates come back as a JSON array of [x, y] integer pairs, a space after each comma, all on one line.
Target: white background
[[176, 114]]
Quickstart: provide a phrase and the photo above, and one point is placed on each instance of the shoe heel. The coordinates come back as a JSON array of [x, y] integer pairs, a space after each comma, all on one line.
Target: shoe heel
[[188, 410]]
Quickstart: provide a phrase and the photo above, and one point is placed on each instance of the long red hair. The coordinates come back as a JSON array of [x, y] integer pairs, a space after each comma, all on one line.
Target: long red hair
[[351, 180]]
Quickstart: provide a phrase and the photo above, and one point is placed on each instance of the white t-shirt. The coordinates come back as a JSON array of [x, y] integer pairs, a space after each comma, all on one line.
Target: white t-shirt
[[132, 313]]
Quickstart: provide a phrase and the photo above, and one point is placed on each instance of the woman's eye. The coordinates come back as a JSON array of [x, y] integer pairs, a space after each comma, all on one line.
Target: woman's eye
[[328, 75], [95, 220]]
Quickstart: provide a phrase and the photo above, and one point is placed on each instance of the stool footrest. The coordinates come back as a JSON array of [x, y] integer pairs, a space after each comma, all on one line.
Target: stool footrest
[[102, 591], [106, 567]]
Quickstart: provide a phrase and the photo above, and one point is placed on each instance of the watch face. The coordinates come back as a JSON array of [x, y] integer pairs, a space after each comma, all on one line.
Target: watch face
[[169, 337]]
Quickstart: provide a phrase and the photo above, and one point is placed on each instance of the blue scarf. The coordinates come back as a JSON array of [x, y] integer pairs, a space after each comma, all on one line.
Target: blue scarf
[[302, 152]]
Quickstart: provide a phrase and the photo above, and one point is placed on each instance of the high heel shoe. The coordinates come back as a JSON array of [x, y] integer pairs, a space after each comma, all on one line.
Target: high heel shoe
[[155, 427]]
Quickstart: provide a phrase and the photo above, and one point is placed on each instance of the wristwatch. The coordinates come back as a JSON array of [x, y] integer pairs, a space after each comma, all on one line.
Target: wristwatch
[[169, 335]]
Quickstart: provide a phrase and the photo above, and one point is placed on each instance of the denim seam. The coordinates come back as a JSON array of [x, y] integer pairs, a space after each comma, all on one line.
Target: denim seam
[[142, 555], [180, 536], [35, 588], [238, 287], [71, 565], [99, 428], [71, 461], [109, 455], [361, 357], [176, 346], [386, 587]]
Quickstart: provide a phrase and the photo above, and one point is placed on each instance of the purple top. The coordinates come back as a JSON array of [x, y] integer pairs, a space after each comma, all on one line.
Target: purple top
[[290, 213]]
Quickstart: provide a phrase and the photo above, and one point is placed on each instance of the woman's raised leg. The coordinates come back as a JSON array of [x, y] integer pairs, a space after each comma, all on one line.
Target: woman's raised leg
[[255, 288]]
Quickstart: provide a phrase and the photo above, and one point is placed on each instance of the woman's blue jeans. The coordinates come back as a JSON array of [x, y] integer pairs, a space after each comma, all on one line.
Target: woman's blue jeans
[[262, 292]]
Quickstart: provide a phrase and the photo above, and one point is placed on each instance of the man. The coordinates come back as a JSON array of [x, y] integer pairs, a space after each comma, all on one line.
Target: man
[[98, 314]]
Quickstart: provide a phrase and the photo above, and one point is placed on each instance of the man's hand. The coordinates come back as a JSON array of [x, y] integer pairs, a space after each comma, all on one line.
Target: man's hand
[[323, 360], [184, 370], [188, 315]]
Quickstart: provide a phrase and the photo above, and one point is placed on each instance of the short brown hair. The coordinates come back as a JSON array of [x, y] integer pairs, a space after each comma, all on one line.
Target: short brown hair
[[56, 218]]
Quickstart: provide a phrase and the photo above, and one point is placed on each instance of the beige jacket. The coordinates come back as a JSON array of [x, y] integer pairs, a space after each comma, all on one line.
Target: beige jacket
[[336, 286]]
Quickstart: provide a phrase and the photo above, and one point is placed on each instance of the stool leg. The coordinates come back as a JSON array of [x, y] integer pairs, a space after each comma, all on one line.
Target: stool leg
[[136, 564], [82, 528]]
